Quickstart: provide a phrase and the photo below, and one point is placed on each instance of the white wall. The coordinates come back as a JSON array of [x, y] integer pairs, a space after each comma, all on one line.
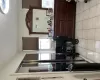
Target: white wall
[[8, 33], [88, 29]]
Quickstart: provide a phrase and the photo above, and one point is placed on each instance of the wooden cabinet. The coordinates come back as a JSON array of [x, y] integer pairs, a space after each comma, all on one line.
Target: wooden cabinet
[[33, 3], [47, 76], [64, 18]]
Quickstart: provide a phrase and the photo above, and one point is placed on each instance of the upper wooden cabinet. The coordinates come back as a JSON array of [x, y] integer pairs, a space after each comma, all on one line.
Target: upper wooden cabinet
[[33, 3], [64, 18]]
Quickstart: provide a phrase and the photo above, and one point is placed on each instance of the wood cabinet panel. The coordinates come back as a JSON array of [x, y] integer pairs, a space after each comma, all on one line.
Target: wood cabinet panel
[[62, 12], [63, 31], [30, 43], [33, 3]]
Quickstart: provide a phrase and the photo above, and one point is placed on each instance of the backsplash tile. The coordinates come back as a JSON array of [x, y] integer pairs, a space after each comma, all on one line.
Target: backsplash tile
[[90, 55], [92, 23], [87, 6], [98, 9], [97, 57], [79, 33], [79, 25], [97, 34], [98, 22], [91, 34], [85, 14], [84, 52], [88, 29], [97, 46], [91, 45], [93, 12], [85, 34], [86, 24], [93, 3], [85, 44]]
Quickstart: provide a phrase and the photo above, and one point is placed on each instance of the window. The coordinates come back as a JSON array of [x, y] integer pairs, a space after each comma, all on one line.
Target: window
[[44, 44], [47, 3]]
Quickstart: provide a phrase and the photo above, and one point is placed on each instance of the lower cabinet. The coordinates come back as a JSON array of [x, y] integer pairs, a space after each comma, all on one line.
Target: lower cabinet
[[43, 77], [48, 76], [58, 76]]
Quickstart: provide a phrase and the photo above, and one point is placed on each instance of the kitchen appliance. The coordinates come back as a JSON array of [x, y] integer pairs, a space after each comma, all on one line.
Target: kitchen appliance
[[66, 45]]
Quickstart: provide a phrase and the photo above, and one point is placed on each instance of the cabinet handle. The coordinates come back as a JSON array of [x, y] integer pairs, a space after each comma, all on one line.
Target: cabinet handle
[[52, 78], [84, 79]]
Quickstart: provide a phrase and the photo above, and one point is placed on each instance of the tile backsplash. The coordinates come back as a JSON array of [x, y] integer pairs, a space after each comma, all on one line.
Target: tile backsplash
[[88, 29]]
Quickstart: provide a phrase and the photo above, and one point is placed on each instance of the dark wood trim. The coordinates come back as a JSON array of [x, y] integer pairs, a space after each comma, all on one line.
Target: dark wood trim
[[74, 21], [29, 20], [54, 18], [39, 33], [39, 8]]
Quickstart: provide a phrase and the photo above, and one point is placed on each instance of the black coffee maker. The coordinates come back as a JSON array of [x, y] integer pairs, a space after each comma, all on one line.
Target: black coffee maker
[[66, 45]]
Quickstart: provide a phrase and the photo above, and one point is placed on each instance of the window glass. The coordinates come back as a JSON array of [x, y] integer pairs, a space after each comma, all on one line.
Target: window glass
[[47, 3], [44, 44]]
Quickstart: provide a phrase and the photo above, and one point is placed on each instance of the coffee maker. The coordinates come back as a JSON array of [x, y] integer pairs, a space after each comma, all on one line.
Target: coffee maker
[[66, 46]]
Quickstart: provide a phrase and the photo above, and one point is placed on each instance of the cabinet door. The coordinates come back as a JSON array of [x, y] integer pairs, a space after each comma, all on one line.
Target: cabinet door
[[58, 76], [64, 18]]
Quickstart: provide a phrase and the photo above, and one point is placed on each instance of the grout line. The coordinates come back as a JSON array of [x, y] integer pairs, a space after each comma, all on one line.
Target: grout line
[[88, 8]]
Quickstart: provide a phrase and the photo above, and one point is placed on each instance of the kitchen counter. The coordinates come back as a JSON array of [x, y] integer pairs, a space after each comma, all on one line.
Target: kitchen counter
[[8, 72]]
